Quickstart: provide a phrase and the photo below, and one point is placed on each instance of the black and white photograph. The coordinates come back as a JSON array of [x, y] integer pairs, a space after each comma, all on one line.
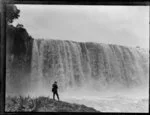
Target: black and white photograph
[[77, 58]]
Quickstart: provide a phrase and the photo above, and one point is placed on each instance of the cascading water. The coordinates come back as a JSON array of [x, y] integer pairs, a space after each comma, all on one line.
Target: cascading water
[[95, 74], [92, 66]]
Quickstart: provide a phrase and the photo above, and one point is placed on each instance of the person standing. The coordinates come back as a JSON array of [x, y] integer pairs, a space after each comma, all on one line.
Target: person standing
[[55, 90]]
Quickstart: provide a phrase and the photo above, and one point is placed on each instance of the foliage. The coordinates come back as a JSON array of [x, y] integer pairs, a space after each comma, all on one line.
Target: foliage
[[12, 12], [19, 26]]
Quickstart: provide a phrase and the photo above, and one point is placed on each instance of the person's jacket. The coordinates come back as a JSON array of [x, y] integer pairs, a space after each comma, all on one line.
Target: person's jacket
[[55, 87]]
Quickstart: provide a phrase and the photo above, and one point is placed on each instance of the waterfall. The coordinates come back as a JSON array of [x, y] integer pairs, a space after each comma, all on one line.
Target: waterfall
[[87, 65], [75, 66]]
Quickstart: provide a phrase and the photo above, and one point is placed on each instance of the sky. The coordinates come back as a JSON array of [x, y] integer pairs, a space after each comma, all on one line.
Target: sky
[[121, 25]]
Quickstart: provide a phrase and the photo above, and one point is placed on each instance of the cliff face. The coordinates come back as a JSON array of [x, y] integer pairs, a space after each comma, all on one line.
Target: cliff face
[[35, 64], [18, 58]]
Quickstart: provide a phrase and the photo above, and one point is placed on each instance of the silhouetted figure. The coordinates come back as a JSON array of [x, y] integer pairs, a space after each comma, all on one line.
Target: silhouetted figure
[[54, 90]]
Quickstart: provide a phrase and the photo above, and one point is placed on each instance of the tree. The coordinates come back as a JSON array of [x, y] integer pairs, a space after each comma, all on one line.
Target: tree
[[12, 12], [19, 26]]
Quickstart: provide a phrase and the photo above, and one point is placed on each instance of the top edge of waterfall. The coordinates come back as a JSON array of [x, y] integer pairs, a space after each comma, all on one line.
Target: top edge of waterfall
[[51, 39]]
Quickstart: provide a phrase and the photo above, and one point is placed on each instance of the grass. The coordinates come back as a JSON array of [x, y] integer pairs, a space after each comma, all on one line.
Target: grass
[[42, 104]]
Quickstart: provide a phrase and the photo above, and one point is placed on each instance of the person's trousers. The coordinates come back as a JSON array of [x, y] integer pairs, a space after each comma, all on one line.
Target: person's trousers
[[55, 93]]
